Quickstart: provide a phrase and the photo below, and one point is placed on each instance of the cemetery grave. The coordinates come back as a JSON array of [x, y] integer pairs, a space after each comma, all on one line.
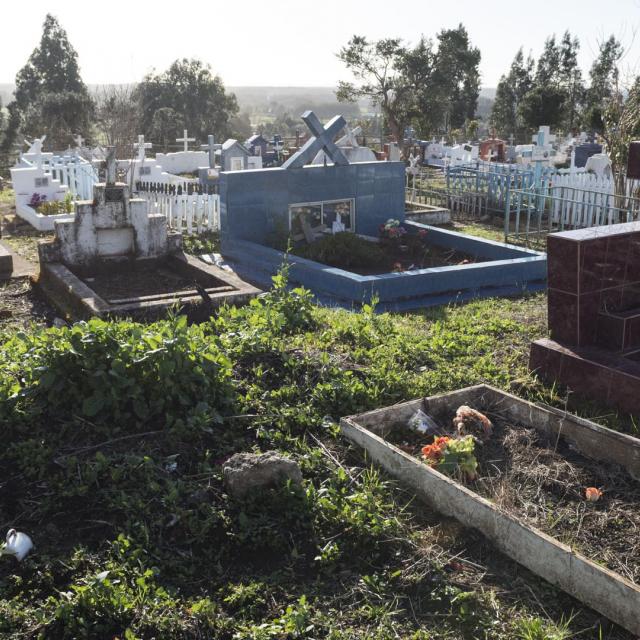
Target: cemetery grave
[[116, 258], [47, 184], [535, 472], [260, 210]]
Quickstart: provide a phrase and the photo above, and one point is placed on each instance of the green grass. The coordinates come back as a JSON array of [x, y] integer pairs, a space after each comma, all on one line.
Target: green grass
[[7, 196], [539, 629], [113, 439], [490, 232]]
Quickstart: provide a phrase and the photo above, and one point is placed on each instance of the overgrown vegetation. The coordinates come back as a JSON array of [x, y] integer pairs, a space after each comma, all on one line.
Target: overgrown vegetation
[[113, 439], [201, 243], [344, 250]]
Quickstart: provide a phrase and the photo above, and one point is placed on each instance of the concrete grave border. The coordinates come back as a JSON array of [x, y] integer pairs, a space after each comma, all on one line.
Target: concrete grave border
[[601, 589], [75, 298], [509, 271]]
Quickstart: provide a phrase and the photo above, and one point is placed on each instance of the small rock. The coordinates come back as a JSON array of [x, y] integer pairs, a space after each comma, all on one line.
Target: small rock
[[245, 472]]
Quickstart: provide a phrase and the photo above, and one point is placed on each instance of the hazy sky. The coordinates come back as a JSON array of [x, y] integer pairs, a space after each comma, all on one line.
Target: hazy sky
[[286, 43]]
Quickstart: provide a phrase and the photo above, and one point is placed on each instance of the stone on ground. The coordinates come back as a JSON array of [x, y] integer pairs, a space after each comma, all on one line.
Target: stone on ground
[[245, 472]]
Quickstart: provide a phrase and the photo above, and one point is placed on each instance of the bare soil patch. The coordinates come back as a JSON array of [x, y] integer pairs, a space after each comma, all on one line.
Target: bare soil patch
[[21, 306]]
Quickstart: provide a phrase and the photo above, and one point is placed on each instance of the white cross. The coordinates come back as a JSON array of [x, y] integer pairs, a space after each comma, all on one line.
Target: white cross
[[141, 145], [79, 140], [36, 148], [185, 140]]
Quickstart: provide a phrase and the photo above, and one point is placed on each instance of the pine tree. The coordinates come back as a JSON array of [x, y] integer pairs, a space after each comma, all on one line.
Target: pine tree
[[50, 94], [570, 79], [457, 74], [510, 93], [604, 75]]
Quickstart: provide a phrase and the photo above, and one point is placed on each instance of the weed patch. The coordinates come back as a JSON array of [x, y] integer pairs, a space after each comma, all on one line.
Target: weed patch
[[114, 437]]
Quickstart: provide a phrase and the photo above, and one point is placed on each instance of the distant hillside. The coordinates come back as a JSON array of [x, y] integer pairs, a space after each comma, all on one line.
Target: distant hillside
[[246, 95], [292, 99]]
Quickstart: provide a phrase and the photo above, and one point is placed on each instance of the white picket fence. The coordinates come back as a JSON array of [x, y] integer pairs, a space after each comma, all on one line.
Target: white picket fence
[[188, 214], [79, 176], [584, 200], [568, 201]]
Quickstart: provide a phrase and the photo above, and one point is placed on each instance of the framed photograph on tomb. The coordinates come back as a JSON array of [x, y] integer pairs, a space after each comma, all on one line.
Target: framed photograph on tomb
[[308, 219], [338, 214]]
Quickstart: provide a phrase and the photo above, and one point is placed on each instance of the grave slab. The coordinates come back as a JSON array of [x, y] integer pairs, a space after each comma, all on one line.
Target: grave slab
[[507, 271], [604, 590]]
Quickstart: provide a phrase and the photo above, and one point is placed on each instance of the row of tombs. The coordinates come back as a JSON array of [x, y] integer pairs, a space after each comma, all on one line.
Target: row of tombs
[[116, 258]]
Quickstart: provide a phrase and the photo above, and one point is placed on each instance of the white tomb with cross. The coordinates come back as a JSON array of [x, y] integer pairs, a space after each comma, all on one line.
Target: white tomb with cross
[[184, 161], [111, 226], [35, 155], [144, 169], [40, 177]]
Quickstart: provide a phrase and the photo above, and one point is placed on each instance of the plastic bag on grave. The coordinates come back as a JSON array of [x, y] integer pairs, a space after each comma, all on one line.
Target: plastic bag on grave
[[423, 423]]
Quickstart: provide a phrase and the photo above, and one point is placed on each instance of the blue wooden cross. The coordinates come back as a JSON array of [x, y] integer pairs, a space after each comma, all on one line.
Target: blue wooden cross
[[321, 140]]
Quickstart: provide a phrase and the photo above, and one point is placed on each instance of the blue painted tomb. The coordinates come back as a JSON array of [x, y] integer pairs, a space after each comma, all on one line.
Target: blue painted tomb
[[260, 209]]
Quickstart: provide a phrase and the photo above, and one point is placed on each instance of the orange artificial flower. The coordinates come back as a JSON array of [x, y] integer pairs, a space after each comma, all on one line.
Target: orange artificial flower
[[592, 494], [434, 452]]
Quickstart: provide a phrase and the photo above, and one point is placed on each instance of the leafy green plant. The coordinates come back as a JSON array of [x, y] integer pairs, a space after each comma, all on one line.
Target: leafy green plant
[[201, 243], [53, 207], [452, 455], [119, 376]]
